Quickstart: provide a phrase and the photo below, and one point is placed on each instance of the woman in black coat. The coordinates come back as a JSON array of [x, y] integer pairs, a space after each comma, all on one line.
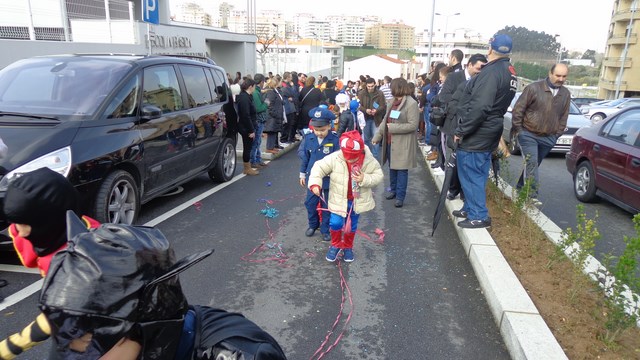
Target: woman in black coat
[[275, 115], [247, 122], [310, 97]]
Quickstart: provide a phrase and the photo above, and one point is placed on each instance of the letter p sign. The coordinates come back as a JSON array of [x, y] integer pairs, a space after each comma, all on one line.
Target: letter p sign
[[150, 11]]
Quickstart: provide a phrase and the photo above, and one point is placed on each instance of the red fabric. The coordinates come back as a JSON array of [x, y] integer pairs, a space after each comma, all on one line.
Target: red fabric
[[352, 147], [336, 238], [348, 240], [28, 256]]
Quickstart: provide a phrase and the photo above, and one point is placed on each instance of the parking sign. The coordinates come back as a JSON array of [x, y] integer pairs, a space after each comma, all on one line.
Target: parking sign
[[150, 11]]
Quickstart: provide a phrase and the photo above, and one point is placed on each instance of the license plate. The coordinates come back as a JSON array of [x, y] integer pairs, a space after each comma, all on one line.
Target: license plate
[[564, 141]]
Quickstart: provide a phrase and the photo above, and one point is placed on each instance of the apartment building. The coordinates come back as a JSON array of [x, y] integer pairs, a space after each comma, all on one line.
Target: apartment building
[[620, 77], [390, 36]]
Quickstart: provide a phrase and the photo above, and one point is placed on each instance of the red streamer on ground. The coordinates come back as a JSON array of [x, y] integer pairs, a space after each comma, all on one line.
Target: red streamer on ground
[[198, 205], [321, 352]]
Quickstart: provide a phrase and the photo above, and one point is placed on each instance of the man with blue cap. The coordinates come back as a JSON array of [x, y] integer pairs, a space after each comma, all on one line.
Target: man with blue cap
[[481, 108], [314, 146]]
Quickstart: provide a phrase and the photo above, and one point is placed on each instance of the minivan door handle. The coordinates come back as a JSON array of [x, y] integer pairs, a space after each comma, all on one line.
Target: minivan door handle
[[596, 147], [635, 162]]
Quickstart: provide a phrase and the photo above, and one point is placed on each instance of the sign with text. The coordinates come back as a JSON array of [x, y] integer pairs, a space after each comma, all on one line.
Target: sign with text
[[150, 11]]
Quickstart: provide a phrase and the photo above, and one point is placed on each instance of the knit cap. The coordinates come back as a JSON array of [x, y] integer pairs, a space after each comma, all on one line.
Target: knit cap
[[41, 198], [352, 146]]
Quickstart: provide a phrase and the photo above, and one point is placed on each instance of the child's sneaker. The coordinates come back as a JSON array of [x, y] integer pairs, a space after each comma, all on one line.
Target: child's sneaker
[[332, 254], [347, 255]]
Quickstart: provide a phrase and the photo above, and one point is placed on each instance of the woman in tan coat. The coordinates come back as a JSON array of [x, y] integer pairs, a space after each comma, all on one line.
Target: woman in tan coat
[[397, 133]]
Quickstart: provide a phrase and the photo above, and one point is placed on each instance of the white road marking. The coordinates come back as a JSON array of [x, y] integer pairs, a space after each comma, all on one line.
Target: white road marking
[[35, 287], [19, 269]]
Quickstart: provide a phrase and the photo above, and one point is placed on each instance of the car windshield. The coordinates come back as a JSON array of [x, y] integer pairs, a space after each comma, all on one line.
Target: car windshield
[[615, 102], [59, 87], [573, 109]]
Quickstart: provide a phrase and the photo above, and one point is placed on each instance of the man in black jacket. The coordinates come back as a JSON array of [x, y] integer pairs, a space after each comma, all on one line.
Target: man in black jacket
[[484, 102], [449, 97]]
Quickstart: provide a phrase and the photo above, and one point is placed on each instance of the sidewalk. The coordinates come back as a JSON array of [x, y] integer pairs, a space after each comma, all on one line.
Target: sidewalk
[[525, 333], [263, 147]]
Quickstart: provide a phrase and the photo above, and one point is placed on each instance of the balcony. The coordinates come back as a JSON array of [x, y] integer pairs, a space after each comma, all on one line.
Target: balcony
[[616, 62], [621, 39], [625, 15], [611, 85]]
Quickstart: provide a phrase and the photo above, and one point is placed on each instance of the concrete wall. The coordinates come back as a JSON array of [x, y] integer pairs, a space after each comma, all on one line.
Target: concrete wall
[[373, 66], [233, 51]]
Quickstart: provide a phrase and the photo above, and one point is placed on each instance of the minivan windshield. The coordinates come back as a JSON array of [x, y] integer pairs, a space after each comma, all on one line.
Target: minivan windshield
[[60, 87]]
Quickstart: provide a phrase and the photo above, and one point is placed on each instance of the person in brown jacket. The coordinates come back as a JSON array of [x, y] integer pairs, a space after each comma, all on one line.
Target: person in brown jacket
[[539, 117], [373, 105]]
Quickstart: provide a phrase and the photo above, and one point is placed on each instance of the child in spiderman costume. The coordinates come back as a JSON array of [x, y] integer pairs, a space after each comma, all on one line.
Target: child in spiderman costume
[[353, 172]]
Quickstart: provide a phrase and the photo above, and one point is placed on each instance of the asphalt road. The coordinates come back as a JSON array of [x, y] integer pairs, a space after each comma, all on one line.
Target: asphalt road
[[409, 296], [559, 204]]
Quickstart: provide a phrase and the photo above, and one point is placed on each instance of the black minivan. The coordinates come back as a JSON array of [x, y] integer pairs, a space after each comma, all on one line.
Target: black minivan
[[122, 128]]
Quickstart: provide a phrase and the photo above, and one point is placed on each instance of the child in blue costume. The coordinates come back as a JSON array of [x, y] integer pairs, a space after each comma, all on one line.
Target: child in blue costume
[[315, 146]]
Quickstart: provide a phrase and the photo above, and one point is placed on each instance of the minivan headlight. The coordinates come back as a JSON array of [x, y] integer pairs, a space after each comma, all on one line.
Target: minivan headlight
[[58, 161]]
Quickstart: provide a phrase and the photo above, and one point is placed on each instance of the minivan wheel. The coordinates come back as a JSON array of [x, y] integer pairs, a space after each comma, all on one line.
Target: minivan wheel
[[514, 148], [224, 166], [118, 200], [584, 182]]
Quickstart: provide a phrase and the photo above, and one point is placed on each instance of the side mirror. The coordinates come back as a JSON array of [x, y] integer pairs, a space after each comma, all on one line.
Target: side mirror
[[149, 112], [585, 111]]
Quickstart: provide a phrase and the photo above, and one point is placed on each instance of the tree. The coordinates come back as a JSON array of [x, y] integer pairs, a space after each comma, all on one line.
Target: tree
[[530, 41], [264, 42], [589, 54]]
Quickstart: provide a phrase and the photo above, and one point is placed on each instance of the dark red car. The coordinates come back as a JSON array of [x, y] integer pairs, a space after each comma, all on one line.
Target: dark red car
[[605, 160]]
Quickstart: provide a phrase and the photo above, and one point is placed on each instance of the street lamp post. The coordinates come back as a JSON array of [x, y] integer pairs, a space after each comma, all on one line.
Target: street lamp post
[[556, 36], [433, 9], [277, 50], [446, 25]]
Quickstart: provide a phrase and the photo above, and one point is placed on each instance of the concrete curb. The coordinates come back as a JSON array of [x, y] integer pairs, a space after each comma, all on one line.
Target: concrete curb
[[523, 330]]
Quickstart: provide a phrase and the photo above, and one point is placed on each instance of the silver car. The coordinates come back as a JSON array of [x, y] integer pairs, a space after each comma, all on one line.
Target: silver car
[[575, 121], [598, 112]]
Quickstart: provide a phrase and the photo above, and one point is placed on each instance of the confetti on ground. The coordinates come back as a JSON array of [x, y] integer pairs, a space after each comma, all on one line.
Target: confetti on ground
[[198, 205]]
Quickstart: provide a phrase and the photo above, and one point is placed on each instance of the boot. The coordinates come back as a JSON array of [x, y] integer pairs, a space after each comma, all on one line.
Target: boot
[[248, 170], [336, 238]]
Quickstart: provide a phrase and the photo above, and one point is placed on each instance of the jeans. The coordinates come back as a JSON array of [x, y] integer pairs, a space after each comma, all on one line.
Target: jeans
[[256, 156], [534, 149], [473, 171], [272, 140], [398, 179], [368, 133]]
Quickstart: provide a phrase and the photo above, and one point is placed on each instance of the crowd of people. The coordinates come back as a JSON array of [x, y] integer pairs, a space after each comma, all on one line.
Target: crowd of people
[[347, 132]]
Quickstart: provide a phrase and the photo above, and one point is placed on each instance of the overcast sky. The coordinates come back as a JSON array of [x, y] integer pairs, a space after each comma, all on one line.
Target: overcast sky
[[581, 24]]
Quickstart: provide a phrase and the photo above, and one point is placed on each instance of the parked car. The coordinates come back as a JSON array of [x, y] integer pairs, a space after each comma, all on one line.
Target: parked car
[[598, 112], [605, 160], [123, 129], [580, 101], [575, 121]]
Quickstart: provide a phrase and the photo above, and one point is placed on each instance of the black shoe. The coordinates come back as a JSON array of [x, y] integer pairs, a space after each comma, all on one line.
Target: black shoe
[[451, 195], [326, 237], [279, 147], [310, 232], [398, 203], [390, 196], [474, 224], [436, 165], [460, 213]]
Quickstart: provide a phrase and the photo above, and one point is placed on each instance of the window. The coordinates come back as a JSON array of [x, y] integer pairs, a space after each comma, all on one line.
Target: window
[[221, 84], [125, 103], [625, 128], [161, 88], [195, 81]]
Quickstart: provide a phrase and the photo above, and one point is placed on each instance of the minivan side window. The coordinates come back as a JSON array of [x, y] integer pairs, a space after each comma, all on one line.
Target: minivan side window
[[125, 103], [195, 81], [212, 86], [160, 88], [221, 84]]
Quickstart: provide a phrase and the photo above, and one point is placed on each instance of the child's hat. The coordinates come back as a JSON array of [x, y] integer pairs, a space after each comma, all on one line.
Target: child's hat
[[321, 116], [41, 198], [354, 105], [342, 98], [352, 145]]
